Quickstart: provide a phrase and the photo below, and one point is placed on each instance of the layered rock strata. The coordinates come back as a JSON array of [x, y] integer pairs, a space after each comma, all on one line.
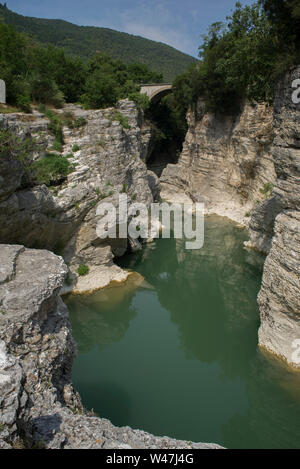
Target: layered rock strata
[[279, 298], [108, 159], [226, 162]]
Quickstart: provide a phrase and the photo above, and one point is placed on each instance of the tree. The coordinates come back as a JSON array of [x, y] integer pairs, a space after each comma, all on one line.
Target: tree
[[284, 17], [101, 90], [140, 73], [242, 57]]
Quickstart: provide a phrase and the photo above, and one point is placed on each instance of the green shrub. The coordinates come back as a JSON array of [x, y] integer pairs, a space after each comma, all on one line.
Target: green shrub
[[122, 119], [55, 126], [57, 146], [23, 103], [52, 169], [141, 100], [124, 189], [83, 270], [42, 108], [14, 147], [45, 90], [75, 148], [267, 190]]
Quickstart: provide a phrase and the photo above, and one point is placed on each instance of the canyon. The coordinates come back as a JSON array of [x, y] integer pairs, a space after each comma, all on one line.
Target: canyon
[[244, 167]]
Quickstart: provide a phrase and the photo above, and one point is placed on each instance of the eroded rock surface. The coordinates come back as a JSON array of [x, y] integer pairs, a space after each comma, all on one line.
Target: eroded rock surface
[[225, 163], [38, 405], [108, 159], [279, 298]]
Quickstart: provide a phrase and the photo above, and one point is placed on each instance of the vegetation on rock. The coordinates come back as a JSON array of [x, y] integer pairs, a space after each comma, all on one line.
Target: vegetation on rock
[[15, 147], [83, 270], [51, 169]]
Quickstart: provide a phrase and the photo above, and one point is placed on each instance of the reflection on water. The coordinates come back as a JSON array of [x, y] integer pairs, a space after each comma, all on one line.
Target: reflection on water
[[178, 356], [98, 318]]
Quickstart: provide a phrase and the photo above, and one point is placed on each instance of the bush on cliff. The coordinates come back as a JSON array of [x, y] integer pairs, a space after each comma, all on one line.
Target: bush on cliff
[[83, 270], [51, 169], [14, 147]]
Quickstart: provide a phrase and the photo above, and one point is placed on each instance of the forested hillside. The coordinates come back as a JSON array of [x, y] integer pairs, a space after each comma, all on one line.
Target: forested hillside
[[85, 41], [39, 74]]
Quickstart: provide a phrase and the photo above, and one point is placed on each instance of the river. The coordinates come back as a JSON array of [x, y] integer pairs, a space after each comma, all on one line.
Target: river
[[178, 356]]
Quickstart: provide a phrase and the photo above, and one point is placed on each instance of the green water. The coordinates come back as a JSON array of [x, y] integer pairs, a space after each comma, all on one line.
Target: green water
[[178, 356]]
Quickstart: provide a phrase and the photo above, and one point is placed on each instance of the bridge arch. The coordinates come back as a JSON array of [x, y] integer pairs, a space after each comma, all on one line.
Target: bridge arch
[[167, 134], [156, 91]]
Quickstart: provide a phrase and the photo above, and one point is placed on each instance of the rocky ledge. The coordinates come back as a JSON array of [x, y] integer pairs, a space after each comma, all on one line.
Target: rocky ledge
[[38, 406]]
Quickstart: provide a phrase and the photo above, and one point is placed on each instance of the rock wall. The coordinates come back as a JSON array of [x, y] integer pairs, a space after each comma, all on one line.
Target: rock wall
[[225, 162], [279, 298], [109, 160], [38, 405]]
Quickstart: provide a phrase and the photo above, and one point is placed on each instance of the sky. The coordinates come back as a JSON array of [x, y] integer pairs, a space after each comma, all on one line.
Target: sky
[[178, 23]]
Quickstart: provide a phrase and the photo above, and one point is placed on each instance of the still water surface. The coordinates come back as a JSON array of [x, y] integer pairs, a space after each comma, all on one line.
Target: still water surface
[[178, 356]]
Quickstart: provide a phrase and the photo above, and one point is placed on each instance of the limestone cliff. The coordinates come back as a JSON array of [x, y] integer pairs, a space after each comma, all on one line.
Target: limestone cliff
[[225, 163], [279, 298], [108, 159], [38, 405]]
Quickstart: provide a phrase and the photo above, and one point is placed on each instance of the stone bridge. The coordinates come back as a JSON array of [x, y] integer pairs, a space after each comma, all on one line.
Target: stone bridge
[[156, 91]]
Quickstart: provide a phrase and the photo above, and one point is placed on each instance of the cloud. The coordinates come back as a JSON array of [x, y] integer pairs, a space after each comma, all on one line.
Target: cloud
[[168, 36], [159, 21]]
